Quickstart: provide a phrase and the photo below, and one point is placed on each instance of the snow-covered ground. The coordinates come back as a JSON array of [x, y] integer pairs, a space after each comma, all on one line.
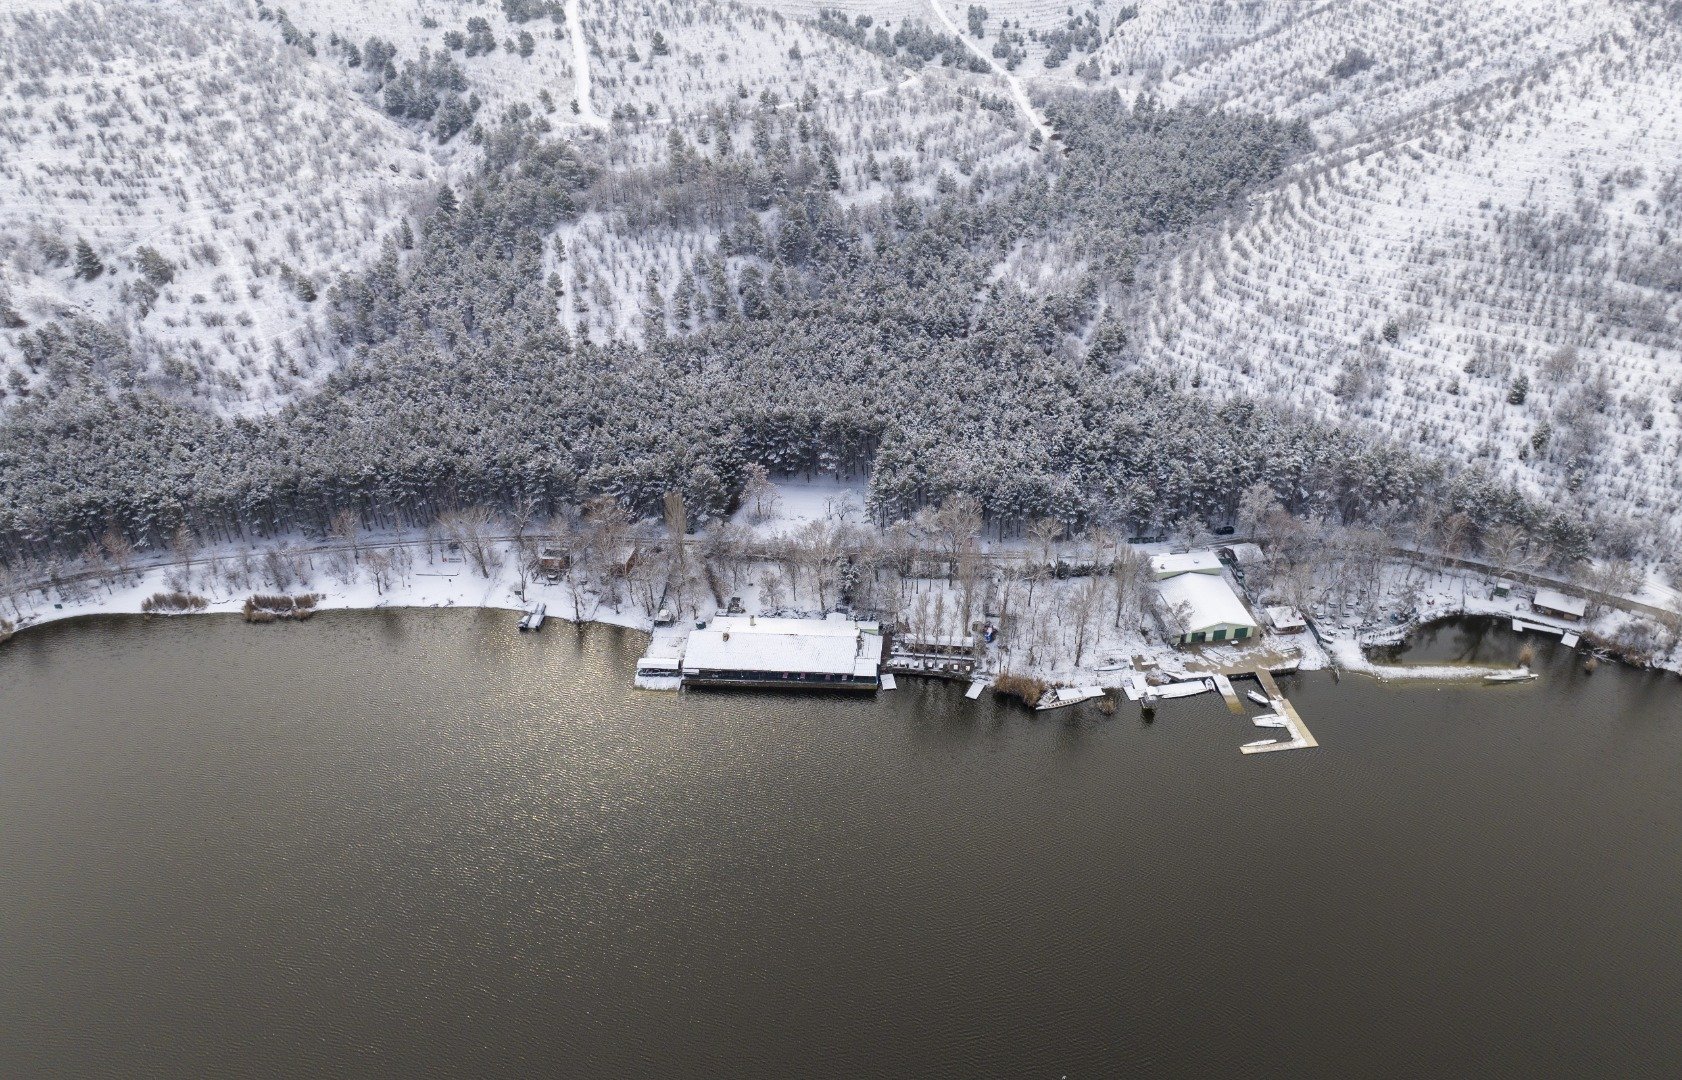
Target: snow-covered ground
[[1018, 92], [1482, 261], [876, 121], [793, 503], [192, 130]]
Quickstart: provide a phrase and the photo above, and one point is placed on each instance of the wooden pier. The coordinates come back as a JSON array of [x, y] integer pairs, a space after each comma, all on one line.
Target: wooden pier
[[1224, 685], [1301, 737]]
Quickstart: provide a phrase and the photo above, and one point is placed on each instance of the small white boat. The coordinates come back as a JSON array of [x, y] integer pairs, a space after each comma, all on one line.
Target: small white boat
[[1068, 695], [1521, 675], [1269, 720], [533, 618], [1261, 742], [1178, 690], [1258, 697]]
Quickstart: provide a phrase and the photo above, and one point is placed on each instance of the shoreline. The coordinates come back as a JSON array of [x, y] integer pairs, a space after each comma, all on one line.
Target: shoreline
[[1346, 655], [399, 570]]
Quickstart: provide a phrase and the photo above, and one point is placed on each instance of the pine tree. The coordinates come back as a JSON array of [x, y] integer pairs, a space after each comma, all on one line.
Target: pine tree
[[154, 267], [9, 317], [446, 201], [754, 304], [653, 300], [718, 289], [831, 170], [88, 265]]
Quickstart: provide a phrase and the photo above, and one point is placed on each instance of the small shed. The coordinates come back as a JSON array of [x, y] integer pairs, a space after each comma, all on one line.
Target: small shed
[[553, 562], [1242, 554], [1559, 605], [1286, 620]]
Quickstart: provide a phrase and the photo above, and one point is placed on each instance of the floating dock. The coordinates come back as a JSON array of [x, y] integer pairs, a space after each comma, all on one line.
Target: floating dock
[[1301, 738], [661, 667], [1224, 685]]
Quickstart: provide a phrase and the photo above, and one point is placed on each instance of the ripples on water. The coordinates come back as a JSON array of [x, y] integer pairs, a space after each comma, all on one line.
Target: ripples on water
[[421, 844]]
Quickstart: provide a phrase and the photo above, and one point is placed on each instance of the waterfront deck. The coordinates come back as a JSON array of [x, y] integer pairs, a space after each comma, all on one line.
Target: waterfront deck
[[1301, 738]]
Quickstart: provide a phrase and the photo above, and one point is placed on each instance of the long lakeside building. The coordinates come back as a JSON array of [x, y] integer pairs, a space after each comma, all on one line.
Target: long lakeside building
[[832, 653]]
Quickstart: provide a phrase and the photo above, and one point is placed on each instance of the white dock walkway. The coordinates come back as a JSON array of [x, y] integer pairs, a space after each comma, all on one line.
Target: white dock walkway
[[1224, 685], [1301, 738]]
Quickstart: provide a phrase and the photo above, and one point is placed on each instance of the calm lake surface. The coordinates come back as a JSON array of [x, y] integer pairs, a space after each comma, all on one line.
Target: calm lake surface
[[422, 844]]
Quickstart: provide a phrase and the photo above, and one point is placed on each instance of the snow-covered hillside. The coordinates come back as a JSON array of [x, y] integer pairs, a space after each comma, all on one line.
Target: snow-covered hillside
[[1351, 67], [1468, 241], [1153, 40], [1497, 278], [217, 176], [224, 161], [731, 78]]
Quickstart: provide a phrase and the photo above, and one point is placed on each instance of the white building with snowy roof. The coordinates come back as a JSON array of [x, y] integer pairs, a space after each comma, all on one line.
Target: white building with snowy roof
[[1196, 607], [1185, 562], [836, 653], [1559, 605]]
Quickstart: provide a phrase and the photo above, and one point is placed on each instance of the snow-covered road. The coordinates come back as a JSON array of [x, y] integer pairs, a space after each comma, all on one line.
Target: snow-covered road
[[587, 113], [1017, 91]]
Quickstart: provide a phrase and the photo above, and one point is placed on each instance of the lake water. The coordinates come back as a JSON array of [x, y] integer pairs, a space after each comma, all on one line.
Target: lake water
[[421, 844]]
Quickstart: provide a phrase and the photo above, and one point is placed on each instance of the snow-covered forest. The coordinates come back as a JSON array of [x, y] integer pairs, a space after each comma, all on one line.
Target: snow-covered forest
[[262, 264]]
